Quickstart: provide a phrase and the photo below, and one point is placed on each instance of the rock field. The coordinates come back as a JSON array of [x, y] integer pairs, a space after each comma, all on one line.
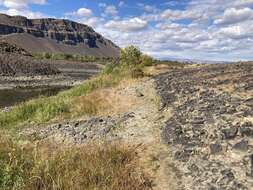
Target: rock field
[[210, 134]]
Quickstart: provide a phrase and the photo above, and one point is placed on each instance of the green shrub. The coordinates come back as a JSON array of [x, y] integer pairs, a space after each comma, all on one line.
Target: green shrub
[[147, 60], [130, 56], [71, 57]]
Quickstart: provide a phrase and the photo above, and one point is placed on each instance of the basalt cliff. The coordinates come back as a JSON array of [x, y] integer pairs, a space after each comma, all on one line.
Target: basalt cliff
[[55, 36]]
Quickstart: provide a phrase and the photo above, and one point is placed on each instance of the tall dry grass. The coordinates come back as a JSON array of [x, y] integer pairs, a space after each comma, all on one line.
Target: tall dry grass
[[91, 167]]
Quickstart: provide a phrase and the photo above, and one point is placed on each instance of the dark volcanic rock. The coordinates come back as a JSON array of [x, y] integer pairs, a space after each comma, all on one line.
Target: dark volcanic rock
[[8, 48], [246, 131], [207, 124], [242, 145], [215, 148], [15, 61], [230, 133]]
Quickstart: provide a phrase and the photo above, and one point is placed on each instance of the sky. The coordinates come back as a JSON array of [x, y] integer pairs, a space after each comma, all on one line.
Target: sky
[[218, 30]]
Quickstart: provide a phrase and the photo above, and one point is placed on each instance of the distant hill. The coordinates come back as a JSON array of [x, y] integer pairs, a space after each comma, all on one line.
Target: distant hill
[[55, 36]]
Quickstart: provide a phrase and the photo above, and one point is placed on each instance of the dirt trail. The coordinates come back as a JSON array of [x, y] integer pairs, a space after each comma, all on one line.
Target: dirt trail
[[144, 131]]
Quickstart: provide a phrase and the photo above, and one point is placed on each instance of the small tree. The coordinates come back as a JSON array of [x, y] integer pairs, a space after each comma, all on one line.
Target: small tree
[[130, 55]]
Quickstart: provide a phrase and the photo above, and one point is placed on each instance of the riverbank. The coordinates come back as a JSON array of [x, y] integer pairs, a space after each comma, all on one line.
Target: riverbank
[[71, 74], [17, 89]]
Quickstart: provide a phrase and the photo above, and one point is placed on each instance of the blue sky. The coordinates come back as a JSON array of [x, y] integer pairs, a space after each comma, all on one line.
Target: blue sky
[[184, 29]]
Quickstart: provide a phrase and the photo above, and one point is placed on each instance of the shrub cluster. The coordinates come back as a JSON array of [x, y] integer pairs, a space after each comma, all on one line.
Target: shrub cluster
[[133, 56], [70, 57]]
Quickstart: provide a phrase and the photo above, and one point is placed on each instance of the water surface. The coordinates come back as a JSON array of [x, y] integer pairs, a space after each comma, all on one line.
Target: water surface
[[11, 97]]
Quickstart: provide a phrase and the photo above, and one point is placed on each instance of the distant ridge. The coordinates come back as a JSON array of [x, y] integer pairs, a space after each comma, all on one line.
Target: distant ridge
[[55, 36]]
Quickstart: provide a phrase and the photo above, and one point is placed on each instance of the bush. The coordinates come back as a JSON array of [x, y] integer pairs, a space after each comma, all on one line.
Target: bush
[[130, 56], [71, 57], [133, 56], [147, 60]]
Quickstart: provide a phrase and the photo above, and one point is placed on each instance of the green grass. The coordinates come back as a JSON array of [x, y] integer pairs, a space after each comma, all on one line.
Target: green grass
[[92, 167], [71, 57]]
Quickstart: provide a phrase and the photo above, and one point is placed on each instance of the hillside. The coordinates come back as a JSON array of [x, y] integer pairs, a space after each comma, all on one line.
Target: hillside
[[15, 61], [55, 36]]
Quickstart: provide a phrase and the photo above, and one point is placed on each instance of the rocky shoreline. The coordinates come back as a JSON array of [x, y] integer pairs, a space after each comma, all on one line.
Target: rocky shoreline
[[37, 81], [210, 134]]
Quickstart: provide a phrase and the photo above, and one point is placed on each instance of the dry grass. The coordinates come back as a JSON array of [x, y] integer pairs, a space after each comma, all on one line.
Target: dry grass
[[157, 69], [106, 101], [91, 167]]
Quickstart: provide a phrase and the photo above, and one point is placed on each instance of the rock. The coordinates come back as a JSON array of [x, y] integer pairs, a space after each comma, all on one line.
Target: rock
[[246, 131], [251, 165], [198, 122], [242, 145], [227, 177], [215, 148], [249, 102], [138, 93], [247, 124], [230, 133], [182, 155], [207, 122]]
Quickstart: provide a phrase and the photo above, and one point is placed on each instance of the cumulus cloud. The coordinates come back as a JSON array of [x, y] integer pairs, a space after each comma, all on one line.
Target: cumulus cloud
[[81, 12], [111, 10], [20, 4], [148, 8], [121, 3], [179, 15], [233, 16], [21, 7], [128, 25], [26, 13]]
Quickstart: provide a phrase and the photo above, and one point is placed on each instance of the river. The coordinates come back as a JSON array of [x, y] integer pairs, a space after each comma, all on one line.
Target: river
[[11, 97]]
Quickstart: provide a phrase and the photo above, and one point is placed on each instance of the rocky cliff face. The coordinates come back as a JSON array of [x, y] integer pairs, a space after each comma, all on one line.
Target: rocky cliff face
[[55, 32]]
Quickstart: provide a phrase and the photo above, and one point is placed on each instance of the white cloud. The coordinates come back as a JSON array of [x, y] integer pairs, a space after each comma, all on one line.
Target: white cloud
[[20, 4], [179, 15], [81, 12], [111, 10], [92, 21], [21, 7], [148, 8], [26, 13], [121, 3], [232, 16], [129, 25], [102, 5], [84, 12]]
